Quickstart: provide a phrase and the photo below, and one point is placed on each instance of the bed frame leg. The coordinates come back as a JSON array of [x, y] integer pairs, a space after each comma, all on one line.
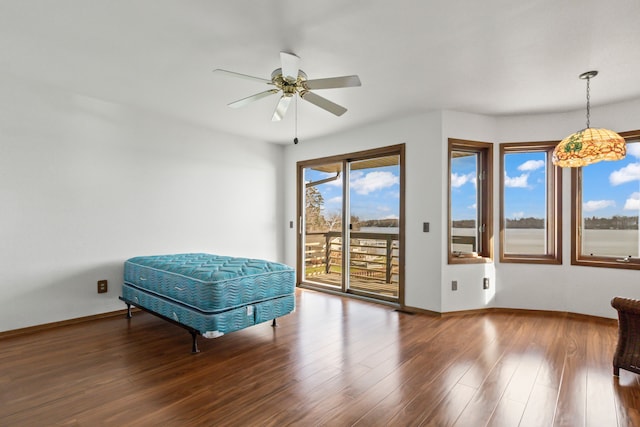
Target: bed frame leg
[[128, 311], [274, 324], [194, 345]]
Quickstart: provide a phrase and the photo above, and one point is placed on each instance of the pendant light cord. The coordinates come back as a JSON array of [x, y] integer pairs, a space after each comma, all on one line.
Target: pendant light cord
[[588, 103]]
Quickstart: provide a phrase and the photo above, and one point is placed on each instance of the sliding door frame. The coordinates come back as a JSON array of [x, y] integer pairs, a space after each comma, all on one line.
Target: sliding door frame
[[398, 150]]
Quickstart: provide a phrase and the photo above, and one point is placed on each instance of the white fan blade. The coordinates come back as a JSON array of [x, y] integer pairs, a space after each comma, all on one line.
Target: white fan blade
[[242, 76], [290, 63], [249, 99], [281, 108], [323, 103], [333, 82]]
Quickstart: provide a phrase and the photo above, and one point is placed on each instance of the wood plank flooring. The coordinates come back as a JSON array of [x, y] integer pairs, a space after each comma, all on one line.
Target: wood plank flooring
[[334, 362]]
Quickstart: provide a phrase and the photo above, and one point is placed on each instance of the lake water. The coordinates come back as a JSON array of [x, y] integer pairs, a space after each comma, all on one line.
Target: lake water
[[387, 230], [597, 242]]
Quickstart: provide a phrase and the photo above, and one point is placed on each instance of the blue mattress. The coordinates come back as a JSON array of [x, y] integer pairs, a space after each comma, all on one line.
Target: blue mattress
[[210, 283], [211, 325]]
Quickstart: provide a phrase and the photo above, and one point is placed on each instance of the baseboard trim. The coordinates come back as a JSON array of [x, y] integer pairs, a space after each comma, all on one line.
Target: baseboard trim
[[532, 312], [45, 326], [408, 309], [416, 310]]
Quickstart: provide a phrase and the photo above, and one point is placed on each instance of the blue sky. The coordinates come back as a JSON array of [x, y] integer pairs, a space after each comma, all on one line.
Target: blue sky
[[524, 182], [375, 193], [613, 188], [463, 187], [610, 188], [524, 185]]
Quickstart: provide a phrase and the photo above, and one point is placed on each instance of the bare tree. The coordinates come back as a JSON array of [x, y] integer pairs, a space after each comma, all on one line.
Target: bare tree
[[313, 204]]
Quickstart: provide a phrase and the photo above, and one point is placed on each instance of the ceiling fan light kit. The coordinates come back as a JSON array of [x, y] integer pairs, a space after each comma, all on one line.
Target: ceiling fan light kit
[[290, 81], [589, 145]]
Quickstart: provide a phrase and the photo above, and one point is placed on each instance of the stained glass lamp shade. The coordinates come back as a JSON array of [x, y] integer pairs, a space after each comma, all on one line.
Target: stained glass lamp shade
[[589, 145]]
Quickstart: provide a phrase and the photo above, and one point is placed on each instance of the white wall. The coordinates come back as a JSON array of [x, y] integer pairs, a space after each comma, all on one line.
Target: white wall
[[428, 277], [422, 136], [470, 294], [86, 184], [565, 287]]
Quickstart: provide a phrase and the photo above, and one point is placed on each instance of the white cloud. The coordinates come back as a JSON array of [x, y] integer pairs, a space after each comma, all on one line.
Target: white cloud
[[531, 165], [460, 180], [335, 200], [517, 215], [634, 149], [516, 182], [594, 205], [629, 173], [473, 206], [373, 181], [633, 202]]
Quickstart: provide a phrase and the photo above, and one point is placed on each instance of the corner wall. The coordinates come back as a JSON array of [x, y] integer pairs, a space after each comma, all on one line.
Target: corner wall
[[470, 294], [428, 276], [422, 136], [86, 184], [576, 289]]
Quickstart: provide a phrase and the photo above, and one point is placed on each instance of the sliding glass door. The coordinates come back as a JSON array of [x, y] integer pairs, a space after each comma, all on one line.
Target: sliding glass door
[[351, 218], [322, 223], [374, 227]]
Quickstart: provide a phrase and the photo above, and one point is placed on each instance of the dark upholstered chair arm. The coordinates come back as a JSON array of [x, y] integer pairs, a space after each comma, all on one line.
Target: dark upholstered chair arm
[[626, 304], [627, 354]]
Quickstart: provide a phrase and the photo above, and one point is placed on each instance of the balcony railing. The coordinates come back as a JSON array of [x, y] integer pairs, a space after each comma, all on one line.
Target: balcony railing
[[373, 257]]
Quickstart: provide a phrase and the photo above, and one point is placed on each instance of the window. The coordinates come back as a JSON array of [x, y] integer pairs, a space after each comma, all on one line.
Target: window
[[531, 204], [470, 204], [605, 203]]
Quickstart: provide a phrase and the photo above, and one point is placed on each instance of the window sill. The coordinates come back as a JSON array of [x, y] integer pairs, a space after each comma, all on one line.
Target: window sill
[[603, 262], [531, 259], [453, 259]]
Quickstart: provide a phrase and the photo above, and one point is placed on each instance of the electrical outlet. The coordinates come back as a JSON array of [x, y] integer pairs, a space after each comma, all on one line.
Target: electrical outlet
[[102, 286], [485, 283], [454, 285], [425, 227]]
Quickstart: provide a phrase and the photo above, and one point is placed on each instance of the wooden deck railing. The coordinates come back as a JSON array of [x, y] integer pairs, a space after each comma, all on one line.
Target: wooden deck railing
[[373, 256]]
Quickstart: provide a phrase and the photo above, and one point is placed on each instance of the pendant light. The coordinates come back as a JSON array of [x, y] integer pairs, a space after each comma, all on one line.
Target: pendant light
[[589, 145]]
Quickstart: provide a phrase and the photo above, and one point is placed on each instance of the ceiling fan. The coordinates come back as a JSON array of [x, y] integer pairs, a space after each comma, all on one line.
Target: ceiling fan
[[290, 80]]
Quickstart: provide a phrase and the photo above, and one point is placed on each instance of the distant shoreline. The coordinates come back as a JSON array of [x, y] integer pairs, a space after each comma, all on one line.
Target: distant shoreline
[[598, 242], [616, 222]]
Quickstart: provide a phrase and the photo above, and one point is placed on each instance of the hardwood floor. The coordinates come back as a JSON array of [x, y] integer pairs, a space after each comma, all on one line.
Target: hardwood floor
[[335, 362]]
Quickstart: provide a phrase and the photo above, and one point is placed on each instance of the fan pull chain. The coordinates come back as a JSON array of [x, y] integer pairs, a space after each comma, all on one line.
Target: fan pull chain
[[295, 139]]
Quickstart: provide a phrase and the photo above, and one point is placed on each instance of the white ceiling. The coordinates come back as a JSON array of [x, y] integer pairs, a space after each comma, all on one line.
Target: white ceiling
[[496, 57]]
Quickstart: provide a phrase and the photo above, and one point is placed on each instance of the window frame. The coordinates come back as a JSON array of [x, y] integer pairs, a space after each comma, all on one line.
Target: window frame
[[554, 204], [578, 258], [484, 150]]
